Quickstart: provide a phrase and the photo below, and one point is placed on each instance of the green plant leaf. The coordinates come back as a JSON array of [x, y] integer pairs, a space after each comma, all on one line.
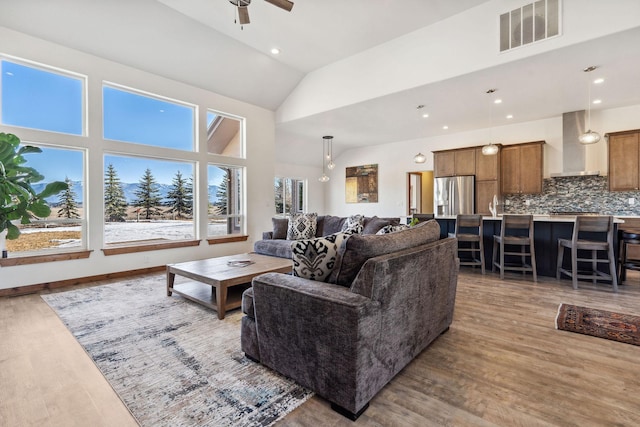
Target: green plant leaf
[[29, 149], [53, 188], [40, 209], [13, 232]]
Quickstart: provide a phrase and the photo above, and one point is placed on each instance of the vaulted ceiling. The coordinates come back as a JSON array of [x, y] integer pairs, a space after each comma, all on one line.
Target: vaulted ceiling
[[198, 42]]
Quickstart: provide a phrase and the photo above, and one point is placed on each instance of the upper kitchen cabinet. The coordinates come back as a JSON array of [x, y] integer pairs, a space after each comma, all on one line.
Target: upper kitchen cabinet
[[454, 162], [624, 160], [521, 168], [487, 167]]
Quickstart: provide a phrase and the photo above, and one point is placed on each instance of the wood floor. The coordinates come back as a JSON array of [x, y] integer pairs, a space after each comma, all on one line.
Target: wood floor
[[502, 363]]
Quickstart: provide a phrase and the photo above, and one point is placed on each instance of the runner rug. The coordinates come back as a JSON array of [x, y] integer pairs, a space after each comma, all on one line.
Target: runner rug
[[171, 361], [599, 323]]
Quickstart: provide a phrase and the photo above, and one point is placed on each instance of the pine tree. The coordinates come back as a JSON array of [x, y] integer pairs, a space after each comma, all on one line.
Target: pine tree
[[148, 195], [115, 204], [222, 195], [180, 196], [67, 201]]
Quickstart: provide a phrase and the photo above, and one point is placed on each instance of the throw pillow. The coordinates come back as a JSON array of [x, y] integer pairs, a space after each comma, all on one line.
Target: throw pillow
[[392, 228], [373, 225], [302, 226], [314, 259], [280, 226], [355, 223], [357, 249]]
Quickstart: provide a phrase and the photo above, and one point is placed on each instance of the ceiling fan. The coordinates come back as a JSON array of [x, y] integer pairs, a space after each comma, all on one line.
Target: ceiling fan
[[243, 11]]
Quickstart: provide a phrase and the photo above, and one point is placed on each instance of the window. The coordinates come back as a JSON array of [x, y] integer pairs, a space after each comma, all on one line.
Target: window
[[290, 196], [64, 229], [224, 135], [226, 214], [42, 99], [149, 120], [147, 200]]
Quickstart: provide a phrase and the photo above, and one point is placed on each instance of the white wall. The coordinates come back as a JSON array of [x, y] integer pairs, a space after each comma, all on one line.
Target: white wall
[[260, 136], [396, 159]]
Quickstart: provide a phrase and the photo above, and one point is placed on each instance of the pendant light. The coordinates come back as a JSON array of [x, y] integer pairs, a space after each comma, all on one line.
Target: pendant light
[[324, 177], [420, 158], [490, 149], [589, 137], [330, 164]]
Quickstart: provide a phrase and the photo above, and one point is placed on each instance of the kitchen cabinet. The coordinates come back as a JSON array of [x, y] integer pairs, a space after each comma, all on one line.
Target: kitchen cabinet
[[521, 168], [454, 162], [485, 190], [624, 161], [487, 180]]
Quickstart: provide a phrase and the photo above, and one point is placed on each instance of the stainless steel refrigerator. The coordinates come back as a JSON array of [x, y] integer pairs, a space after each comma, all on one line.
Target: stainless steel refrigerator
[[454, 195]]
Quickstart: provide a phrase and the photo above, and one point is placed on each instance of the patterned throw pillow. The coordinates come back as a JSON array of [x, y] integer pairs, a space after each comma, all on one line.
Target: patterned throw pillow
[[314, 259], [302, 226], [355, 223], [392, 228]]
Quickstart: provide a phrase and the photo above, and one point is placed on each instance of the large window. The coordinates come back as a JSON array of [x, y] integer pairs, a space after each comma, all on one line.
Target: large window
[[290, 196], [147, 200], [64, 229], [149, 120], [225, 200], [38, 98], [224, 135]]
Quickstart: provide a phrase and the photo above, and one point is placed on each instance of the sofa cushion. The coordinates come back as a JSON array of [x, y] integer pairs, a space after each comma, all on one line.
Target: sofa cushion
[[277, 247], [358, 248], [280, 227], [355, 223], [314, 259], [372, 225], [330, 225], [302, 226]]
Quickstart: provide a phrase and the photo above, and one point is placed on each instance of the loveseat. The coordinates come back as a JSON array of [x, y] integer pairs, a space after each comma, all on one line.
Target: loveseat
[[388, 297], [275, 242]]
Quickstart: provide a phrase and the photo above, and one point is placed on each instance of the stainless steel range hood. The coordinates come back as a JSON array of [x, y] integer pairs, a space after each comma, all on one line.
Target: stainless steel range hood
[[573, 152]]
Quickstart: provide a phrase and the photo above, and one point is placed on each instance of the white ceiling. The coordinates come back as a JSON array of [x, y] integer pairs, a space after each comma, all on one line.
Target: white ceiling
[[197, 42]]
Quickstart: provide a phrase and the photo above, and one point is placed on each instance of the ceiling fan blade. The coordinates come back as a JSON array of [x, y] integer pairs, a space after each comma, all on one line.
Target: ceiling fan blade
[[243, 15], [282, 4]]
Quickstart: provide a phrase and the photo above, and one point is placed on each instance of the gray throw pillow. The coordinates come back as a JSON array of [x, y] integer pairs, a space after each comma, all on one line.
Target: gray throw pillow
[[302, 226], [280, 226], [314, 259], [358, 248], [372, 225]]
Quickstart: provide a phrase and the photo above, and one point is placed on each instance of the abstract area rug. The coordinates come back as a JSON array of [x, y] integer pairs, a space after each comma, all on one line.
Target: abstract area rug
[[599, 323], [171, 361]]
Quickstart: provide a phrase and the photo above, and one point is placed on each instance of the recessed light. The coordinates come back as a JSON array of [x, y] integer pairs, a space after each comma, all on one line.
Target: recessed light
[[597, 101], [509, 116], [498, 101], [445, 127], [275, 51], [598, 81], [425, 115]]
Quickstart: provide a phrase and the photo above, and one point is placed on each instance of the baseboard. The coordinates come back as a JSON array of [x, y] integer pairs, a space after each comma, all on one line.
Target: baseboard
[[32, 289]]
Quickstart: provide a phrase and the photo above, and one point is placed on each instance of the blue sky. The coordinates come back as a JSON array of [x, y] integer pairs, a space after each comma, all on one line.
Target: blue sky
[[39, 99]]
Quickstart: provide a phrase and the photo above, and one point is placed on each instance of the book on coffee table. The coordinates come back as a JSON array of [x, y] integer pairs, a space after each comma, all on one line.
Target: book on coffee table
[[241, 262]]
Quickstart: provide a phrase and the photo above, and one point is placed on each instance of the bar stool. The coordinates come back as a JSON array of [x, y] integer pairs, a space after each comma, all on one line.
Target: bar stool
[[600, 238], [627, 237], [516, 230], [469, 230]]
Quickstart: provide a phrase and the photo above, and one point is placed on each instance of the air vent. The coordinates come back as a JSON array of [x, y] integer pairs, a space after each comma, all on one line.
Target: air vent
[[529, 24]]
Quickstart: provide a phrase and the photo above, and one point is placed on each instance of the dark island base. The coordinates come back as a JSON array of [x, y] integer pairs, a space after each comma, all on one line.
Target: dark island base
[[546, 235]]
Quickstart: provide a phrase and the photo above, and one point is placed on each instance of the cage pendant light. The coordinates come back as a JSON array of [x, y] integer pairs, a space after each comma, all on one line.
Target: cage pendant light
[[490, 149], [330, 164], [589, 137]]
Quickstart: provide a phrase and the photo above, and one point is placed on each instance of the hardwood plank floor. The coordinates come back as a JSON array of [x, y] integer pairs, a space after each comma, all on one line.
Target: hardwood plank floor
[[502, 363]]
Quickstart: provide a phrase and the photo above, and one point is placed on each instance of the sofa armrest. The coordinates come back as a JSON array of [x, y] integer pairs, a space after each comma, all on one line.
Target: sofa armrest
[[303, 324], [267, 235]]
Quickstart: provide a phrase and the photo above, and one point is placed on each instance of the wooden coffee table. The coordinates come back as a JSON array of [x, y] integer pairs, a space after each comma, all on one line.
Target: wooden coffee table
[[218, 285]]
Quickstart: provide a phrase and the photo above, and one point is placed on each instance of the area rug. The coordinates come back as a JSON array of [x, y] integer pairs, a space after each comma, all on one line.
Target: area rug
[[599, 323], [171, 361]]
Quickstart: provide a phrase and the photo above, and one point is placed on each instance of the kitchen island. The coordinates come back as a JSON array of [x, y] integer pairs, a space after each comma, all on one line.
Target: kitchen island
[[547, 230]]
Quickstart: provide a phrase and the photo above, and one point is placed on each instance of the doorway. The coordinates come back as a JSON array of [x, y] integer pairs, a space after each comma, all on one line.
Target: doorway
[[419, 192]]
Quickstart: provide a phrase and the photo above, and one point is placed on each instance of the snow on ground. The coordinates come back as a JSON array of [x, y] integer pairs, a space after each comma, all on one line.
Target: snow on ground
[[118, 232]]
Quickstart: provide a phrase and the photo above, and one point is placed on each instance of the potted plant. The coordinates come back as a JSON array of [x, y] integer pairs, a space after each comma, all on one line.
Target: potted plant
[[18, 199]]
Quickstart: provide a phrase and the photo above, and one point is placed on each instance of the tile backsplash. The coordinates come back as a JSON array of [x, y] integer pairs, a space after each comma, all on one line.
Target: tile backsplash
[[575, 194]]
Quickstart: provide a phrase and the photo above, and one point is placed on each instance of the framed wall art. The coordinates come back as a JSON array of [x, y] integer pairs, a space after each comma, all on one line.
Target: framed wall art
[[362, 184]]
